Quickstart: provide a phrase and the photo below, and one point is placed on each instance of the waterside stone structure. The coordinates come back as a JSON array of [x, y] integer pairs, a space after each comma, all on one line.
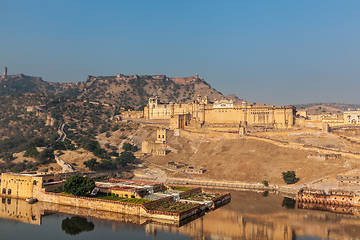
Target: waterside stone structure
[[332, 197], [21, 186]]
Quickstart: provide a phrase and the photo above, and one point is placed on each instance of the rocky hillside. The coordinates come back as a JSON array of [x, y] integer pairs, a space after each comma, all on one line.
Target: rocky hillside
[[135, 90], [132, 91], [21, 83]]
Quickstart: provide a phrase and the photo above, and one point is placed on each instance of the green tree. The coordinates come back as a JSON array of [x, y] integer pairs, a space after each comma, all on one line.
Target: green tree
[[107, 164], [91, 145], [125, 158], [91, 164], [289, 177], [130, 147], [78, 185], [100, 152], [46, 156], [76, 225]]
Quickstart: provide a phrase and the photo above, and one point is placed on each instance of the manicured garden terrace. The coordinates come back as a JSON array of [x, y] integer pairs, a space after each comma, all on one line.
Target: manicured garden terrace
[[202, 196], [173, 207], [180, 188]]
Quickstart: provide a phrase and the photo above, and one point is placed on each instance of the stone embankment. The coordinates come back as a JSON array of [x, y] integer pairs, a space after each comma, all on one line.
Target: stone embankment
[[236, 185], [65, 166]]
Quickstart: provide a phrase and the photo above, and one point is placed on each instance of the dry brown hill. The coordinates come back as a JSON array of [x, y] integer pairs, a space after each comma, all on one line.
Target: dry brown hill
[[252, 160], [323, 109], [135, 90]]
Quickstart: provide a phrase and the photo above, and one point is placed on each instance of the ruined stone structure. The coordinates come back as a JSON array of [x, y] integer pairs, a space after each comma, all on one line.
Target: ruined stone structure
[[324, 156], [204, 112], [185, 168], [347, 180]]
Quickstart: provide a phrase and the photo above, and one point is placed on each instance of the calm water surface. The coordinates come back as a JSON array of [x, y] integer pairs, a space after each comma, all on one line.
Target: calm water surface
[[249, 215]]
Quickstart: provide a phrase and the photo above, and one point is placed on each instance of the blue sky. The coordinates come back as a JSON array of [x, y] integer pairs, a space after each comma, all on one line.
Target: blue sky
[[278, 52]]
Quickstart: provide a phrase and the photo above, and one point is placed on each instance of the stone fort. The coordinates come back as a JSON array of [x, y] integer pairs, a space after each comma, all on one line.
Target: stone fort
[[203, 112], [181, 80]]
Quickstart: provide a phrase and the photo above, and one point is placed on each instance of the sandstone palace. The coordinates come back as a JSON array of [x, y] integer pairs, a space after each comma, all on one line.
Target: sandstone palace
[[203, 112]]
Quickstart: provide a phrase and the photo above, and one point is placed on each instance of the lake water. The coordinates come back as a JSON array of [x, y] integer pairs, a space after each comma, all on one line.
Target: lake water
[[249, 215]]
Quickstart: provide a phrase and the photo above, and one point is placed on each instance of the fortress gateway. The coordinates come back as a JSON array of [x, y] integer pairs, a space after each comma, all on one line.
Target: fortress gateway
[[203, 112]]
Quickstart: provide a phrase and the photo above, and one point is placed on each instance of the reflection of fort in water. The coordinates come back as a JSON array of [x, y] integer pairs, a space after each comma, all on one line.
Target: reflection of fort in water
[[20, 210], [249, 216], [257, 217]]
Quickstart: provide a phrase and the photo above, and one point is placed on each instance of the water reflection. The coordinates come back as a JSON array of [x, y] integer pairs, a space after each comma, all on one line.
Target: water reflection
[[250, 215], [289, 203], [76, 225]]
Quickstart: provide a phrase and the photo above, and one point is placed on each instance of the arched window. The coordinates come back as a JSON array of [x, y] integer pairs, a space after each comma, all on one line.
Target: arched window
[[3, 191], [9, 191], [3, 200], [9, 201], [34, 182]]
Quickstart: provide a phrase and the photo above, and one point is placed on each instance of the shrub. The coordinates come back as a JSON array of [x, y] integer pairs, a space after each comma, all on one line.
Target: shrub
[[265, 182], [289, 177]]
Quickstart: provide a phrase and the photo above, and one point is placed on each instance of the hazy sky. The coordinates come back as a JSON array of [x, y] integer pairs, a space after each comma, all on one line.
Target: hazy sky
[[278, 52]]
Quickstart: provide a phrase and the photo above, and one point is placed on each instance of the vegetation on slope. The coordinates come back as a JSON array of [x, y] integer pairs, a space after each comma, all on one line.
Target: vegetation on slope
[[21, 130]]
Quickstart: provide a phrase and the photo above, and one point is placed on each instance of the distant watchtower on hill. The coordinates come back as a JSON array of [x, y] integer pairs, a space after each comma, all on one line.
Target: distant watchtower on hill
[[5, 72]]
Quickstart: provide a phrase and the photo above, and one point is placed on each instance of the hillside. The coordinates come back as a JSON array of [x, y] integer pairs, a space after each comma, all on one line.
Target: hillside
[[131, 91], [322, 108], [251, 160], [135, 90], [24, 84]]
